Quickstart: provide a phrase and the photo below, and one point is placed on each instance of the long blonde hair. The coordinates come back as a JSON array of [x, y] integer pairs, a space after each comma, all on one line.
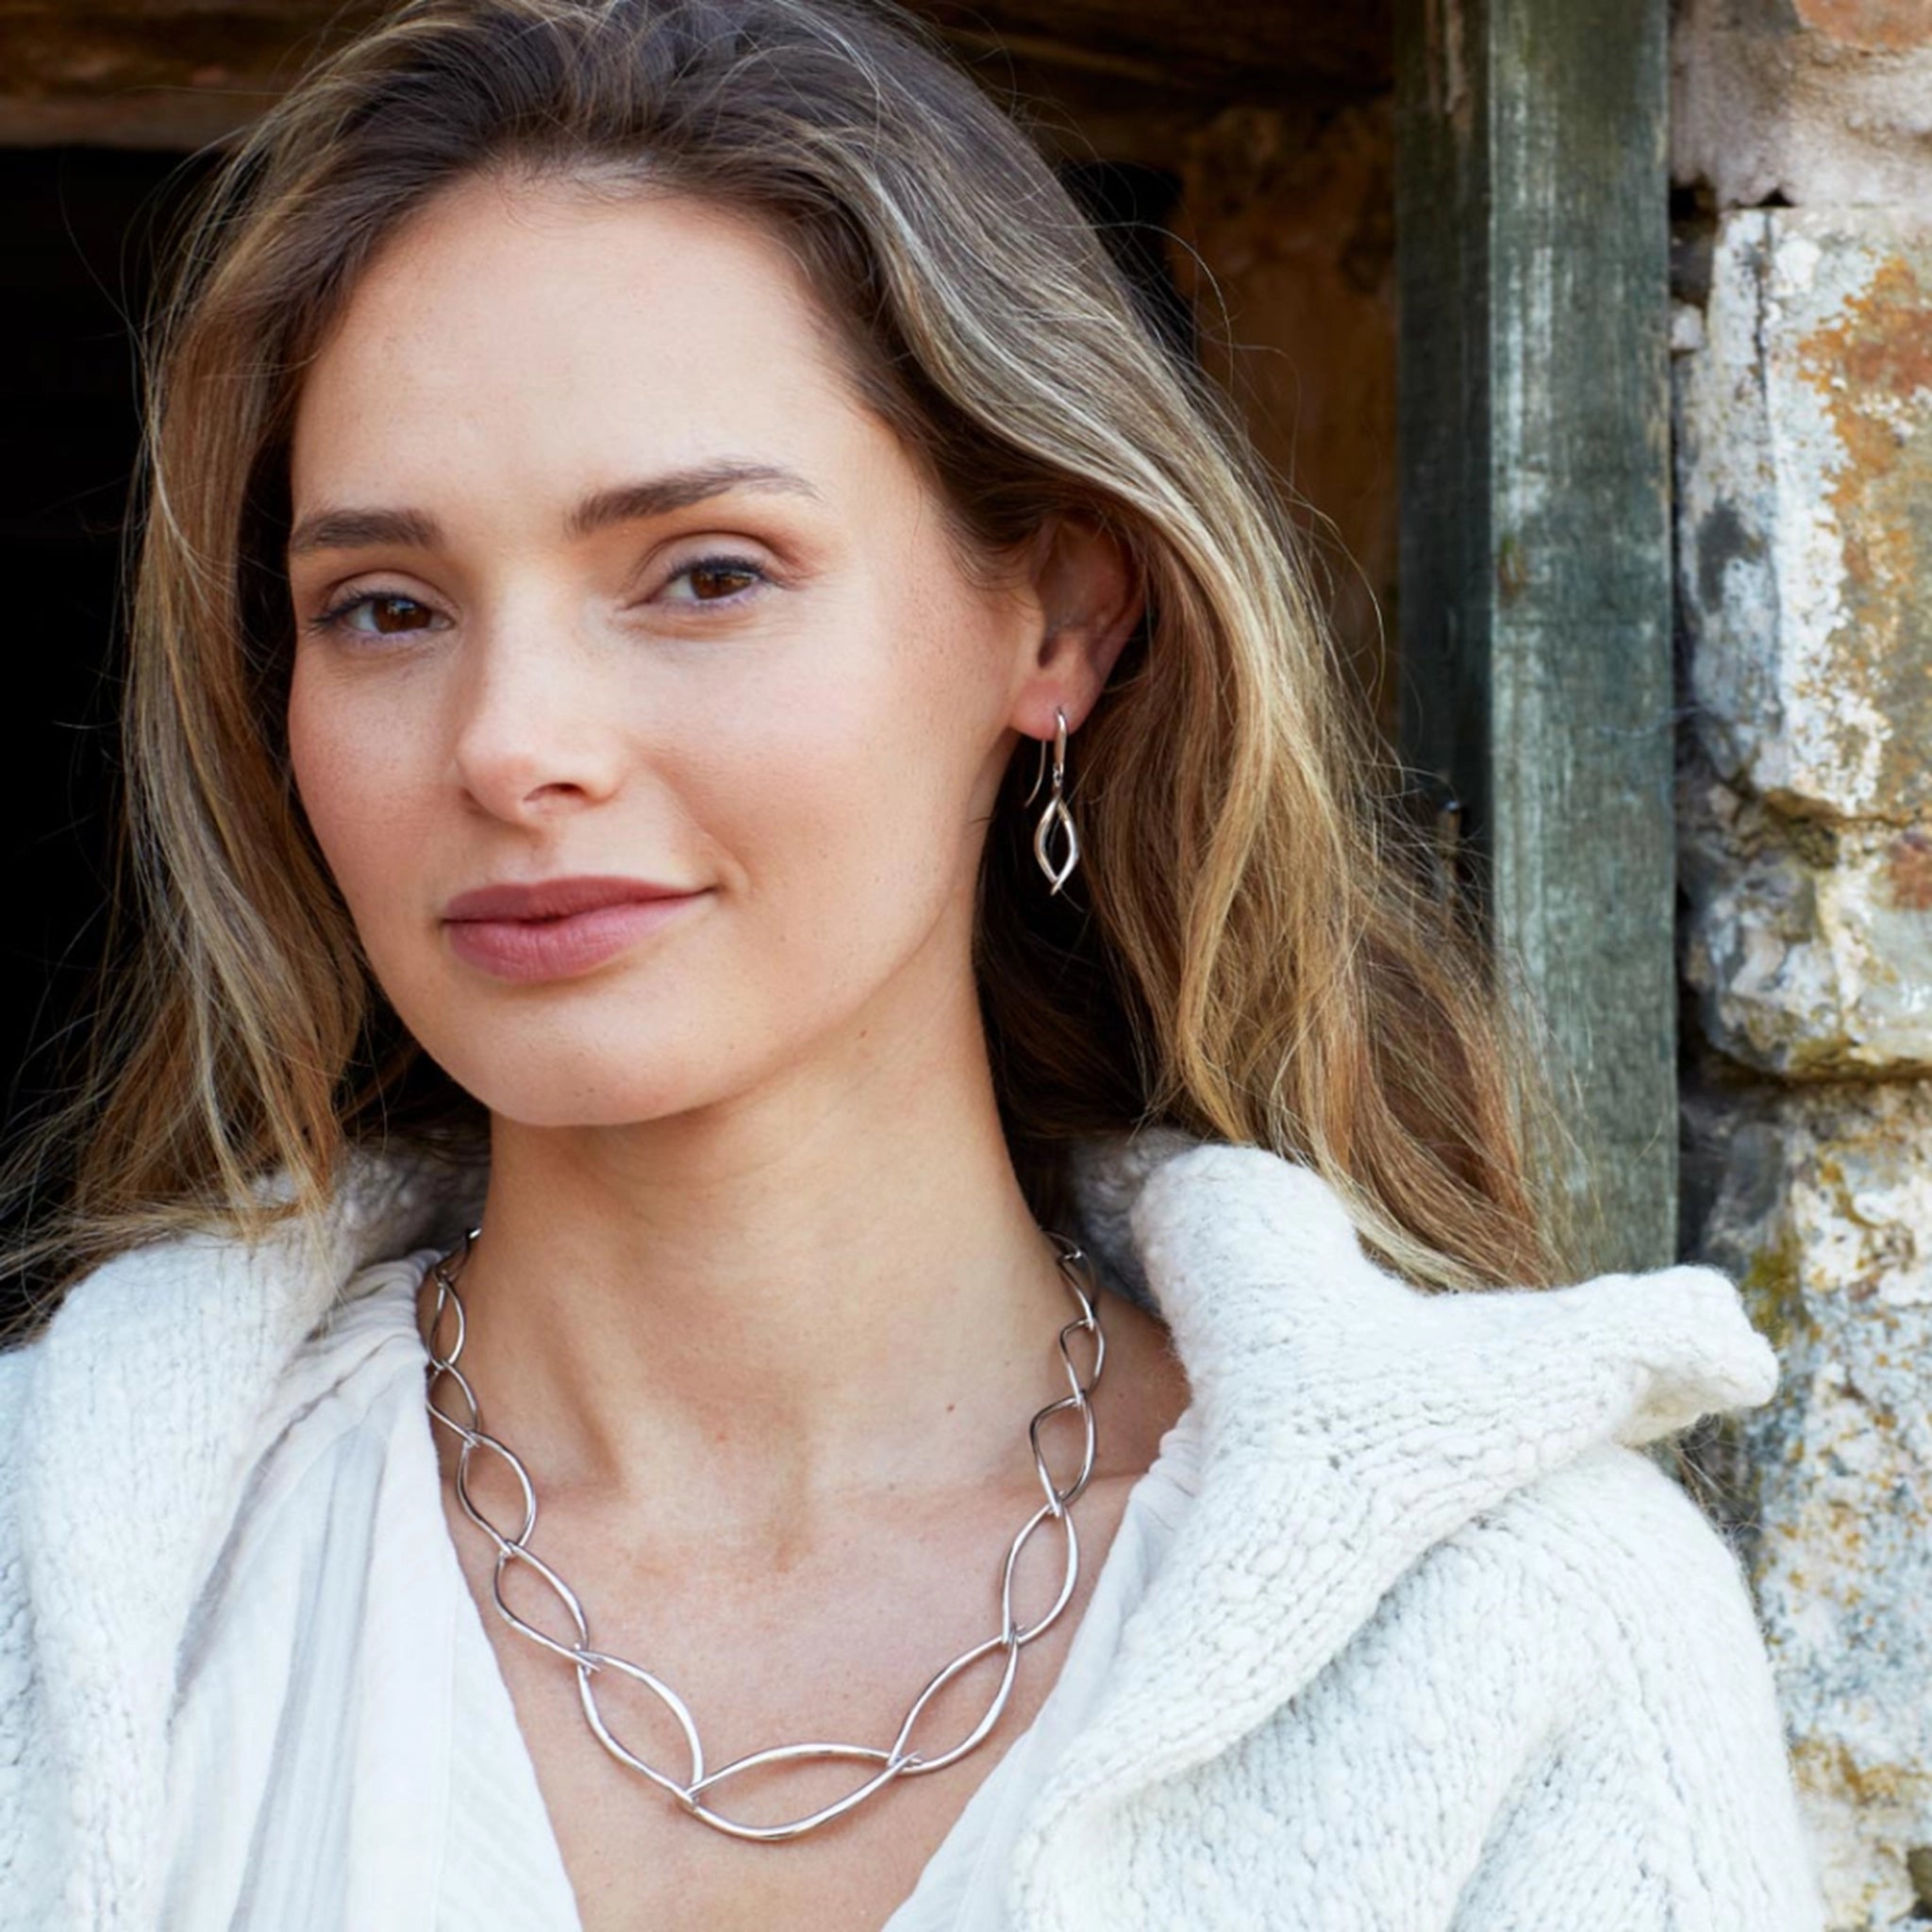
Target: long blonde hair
[[1248, 953]]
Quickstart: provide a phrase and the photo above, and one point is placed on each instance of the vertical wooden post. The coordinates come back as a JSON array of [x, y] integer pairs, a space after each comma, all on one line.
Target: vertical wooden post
[[1532, 222]]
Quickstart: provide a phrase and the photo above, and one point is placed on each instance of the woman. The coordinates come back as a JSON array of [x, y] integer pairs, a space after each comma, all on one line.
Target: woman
[[655, 1204]]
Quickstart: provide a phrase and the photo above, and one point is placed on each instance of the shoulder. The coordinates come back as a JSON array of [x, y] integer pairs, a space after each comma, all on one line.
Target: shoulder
[[18, 1368], [1608, 1534], [1560, 1714], [1569, 1699], [1658, 1730], [1646, 1610], [1631, 1597], [27, 1798], [1595, 1585]]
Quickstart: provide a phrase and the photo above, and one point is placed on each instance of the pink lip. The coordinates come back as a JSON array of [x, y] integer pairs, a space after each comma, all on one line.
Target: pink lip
[[557, 928]]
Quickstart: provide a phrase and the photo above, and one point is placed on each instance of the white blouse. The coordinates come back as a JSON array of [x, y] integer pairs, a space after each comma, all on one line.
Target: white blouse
[[344, 1752]]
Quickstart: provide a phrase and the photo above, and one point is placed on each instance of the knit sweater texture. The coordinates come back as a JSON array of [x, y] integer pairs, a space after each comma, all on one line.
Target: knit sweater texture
[[1438, 1646]]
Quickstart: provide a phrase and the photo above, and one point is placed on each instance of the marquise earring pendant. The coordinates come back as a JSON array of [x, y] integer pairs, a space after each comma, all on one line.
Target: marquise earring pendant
[[1056, 811]]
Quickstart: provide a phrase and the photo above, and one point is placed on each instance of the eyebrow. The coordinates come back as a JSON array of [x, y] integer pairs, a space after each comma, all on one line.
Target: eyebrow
[[650, 496]]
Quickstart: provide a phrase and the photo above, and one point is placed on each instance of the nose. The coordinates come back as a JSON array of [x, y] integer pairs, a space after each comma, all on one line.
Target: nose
[[538, 731]]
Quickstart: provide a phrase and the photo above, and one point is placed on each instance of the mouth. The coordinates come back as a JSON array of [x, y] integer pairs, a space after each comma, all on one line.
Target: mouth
[[559, 928]]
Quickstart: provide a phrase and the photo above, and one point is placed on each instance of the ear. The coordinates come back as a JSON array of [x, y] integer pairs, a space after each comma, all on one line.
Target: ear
[[1087, 585]]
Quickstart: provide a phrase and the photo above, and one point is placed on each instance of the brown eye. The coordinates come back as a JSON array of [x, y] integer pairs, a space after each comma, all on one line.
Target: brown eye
[[392, 614], [714, 576], [379, 614], [717, 579]]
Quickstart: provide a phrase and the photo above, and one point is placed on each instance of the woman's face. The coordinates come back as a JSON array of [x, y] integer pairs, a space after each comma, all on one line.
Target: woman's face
[[544, 635]]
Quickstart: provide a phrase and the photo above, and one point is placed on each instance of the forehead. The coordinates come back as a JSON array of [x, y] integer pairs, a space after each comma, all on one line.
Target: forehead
[[546, 331]]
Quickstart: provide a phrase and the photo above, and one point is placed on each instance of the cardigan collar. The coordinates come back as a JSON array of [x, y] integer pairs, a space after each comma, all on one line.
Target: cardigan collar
[[1349, 1422]]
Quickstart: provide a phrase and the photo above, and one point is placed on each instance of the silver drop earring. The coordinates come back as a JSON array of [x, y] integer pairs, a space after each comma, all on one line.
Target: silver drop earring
[[1055, 810]]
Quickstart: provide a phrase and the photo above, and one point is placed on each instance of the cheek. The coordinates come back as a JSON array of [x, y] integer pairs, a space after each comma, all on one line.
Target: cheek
[[854, 854], [851, 795], [353, 790]]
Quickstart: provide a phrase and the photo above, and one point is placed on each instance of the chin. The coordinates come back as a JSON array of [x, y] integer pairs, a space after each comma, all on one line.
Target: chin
[[543, 1075], [561, 1111], [627, 1055], [613, 1096]]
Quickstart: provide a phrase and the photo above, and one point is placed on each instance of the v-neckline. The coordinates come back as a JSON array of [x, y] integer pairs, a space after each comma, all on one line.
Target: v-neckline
[[503, 1738]]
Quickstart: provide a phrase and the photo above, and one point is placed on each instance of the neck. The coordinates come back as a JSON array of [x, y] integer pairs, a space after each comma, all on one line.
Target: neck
[[752, 1315]]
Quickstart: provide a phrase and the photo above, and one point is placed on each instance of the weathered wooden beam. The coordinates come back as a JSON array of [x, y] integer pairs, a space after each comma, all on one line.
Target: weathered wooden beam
[[1532, 243]]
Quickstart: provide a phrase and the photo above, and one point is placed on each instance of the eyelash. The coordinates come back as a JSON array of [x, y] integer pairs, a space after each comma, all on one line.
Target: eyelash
[[332, 619]]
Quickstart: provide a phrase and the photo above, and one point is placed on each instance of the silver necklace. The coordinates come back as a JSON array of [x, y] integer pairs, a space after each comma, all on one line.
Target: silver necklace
[[894, 1761]]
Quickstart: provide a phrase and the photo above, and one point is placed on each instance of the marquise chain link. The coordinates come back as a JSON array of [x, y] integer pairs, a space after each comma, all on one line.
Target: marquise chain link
[[894, 1761]]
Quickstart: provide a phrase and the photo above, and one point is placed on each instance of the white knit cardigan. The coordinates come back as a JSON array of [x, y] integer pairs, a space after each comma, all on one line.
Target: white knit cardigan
[[1437, 1646]]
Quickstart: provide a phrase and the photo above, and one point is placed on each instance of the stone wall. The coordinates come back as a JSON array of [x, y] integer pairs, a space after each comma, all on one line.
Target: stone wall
[[1803, 338]]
